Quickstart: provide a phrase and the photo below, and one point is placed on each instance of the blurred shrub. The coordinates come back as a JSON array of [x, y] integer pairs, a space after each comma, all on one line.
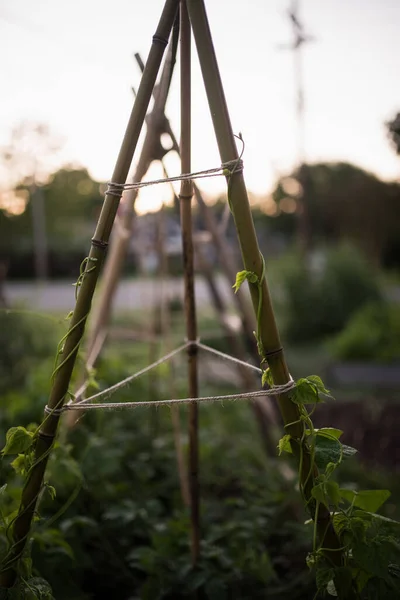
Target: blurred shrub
[[373, 333], [25, 340], [320, 298]]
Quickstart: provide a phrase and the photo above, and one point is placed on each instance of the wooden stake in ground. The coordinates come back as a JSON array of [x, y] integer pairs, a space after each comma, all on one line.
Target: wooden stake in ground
[[268, 335], [185, 197], [63, 371]]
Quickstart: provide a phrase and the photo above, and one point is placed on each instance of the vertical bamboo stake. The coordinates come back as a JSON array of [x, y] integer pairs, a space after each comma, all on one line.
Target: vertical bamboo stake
[[166, 332], [63, 372], [240, 207], [185, 196]]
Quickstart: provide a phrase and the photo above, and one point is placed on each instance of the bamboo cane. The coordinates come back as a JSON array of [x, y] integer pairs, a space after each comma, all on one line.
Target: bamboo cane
[[166, 332], [240, 207], [185, 197], [151, 150], [63, 372]]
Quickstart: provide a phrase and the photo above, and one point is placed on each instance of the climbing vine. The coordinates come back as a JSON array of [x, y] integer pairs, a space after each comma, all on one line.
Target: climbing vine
[[369, 543]]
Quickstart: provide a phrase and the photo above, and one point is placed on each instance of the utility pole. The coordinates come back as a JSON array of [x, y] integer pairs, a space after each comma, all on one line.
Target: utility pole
[[296, 47]]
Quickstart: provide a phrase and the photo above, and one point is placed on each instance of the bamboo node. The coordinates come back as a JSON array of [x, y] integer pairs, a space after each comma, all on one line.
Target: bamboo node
[[158, 39], [99, 244]]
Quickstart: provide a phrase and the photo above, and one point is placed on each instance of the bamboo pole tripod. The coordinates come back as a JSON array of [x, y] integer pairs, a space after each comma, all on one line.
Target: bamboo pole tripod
[[152, 150], [195, 19]]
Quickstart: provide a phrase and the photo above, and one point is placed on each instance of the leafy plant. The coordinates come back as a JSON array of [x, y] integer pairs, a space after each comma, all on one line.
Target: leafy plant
[[319, 301], [369, 555], [373, 333]]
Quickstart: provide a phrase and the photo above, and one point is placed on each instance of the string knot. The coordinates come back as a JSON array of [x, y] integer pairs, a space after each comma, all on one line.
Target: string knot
[[233, 166], [55, 412]]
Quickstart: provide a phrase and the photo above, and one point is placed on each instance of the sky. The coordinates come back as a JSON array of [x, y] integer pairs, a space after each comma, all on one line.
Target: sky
[[70, 65]]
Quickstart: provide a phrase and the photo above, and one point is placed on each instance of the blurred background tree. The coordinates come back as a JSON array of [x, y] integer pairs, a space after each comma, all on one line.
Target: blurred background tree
[[46, 218]]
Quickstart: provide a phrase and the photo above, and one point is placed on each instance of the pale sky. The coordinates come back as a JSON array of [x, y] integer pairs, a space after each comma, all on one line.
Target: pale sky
[[70, 64]]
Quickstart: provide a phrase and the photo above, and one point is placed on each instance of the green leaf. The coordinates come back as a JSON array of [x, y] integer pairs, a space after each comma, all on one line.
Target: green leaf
[[374, 558], [361, 578], [348, 451], [358, 528], [329, 432], [267, 378], [18, 440], [340, 522], [241, 277], [318, 383], [51, 490], [330, 588], [343, 578], [332, 489], [19, 464], [369, 500], [318, 492], [327, 450], [284, 444], [323, 577], [40, 587], [383, 521], [305, 392]]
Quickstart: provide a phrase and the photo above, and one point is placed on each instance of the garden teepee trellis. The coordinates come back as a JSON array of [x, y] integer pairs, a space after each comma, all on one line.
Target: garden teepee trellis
[[152, 150], [269, 346]]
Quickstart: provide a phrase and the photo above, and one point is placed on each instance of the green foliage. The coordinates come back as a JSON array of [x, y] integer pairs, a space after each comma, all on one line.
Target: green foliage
[[319, 302], [117, 524], [366, 554], [369, 500], [72, 200], [21, 348], [241, 277], [372, 334], [343, 202], [18, 439]]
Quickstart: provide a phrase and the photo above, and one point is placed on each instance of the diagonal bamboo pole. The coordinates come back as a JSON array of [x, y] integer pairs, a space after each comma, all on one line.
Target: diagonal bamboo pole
[[185, 197], [63, 372], [151, 150], [240, 207]]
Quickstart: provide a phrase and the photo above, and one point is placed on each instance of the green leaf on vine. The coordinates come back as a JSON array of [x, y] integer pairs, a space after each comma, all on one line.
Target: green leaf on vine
[[369, 500], [19, 464], [241, 277], [374, 557], [327, 450], [18, 440], [323, 577], [333, 491], [343, 579], [51, 490], [348, 451], [305, 392], [318, 492], [284, 444], [329, 432], [361, 578], [318, 383], [267, 378]]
